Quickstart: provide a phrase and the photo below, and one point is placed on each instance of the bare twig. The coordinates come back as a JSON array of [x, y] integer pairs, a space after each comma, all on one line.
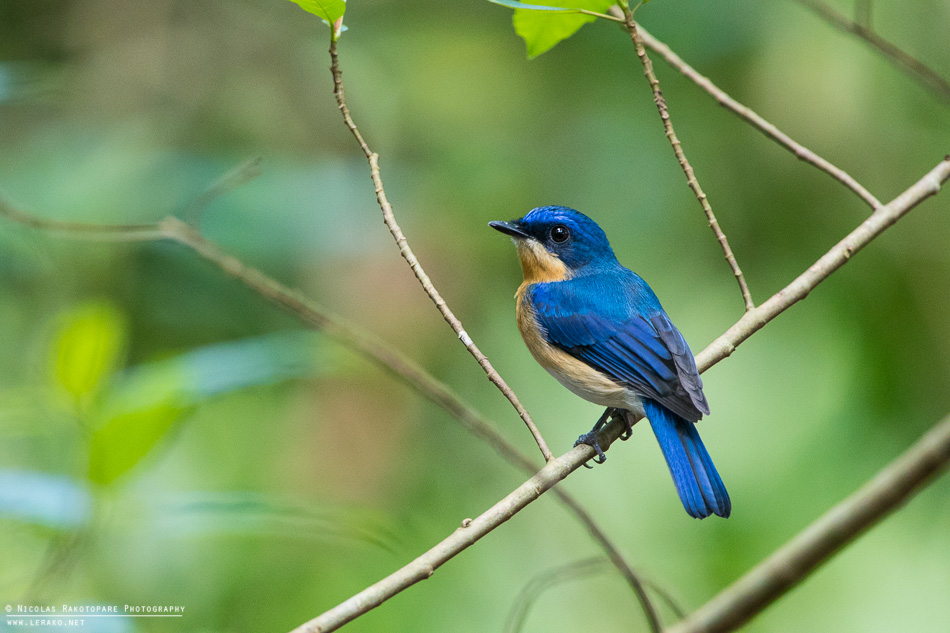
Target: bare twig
[[831, 261], [345, 333], [243, 173], [769, 580], [913, 67], [748, 115], [84, 231], [570, 571], [390, 219], [542, 582], [559, 468], [661, 106]]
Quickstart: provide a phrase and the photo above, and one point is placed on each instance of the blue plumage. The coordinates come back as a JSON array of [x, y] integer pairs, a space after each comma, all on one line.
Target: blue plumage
[[601, 331]]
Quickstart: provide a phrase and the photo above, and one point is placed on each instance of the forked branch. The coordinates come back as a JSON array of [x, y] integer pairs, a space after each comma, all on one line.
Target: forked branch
[[755, 120]]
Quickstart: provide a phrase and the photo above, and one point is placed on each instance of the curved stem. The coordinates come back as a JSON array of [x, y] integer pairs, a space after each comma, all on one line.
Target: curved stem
[[691, 179], [390, 219]]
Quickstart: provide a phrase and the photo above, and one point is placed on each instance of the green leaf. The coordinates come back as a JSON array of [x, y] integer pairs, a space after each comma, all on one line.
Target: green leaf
[[145, 403], [330, 11], [128, 437], [140, 409], [514, 4], [87, 349], [543, 26], [542, 31]]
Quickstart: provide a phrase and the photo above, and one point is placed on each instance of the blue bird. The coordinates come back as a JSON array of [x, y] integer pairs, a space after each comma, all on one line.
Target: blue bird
[[599, 329]]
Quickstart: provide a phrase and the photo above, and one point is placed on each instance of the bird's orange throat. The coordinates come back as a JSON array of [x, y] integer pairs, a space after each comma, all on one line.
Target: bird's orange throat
[[538, 264]]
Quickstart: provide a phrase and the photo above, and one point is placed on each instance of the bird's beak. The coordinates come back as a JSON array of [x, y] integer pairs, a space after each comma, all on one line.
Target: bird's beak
[[509, 228]]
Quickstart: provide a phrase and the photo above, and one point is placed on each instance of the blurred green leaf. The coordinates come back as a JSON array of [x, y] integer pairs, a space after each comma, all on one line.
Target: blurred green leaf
[[330, 11], [87, 349], [147, 400], [127, 437]]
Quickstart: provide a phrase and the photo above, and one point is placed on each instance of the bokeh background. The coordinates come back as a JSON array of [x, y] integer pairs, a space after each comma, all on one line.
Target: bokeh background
[[169, 437]]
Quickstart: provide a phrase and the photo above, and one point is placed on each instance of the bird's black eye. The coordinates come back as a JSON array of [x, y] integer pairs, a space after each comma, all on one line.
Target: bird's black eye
[[560, 233]]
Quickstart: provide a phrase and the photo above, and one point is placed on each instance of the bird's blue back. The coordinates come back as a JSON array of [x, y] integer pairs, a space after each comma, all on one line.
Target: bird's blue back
[[608, 317]]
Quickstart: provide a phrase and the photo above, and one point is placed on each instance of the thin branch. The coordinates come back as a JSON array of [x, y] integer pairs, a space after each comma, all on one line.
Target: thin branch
[[549, 578], [789, 565], [661, 106], [390, 219], [80, 230], [559, 468], [831, 261], [362, 342], [748, 115], [913, 67], [570, 571], [241, 174], [636, 583]]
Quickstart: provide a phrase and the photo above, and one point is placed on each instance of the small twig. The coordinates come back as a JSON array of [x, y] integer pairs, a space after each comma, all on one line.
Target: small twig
[[84, 231], [559, 468], [748, 115], [542, 582], [916, 69], [789, 565], [570, 571], [390, 219], [636, 583], [241, 174], [362, 342], [661, 106], [831, 261]]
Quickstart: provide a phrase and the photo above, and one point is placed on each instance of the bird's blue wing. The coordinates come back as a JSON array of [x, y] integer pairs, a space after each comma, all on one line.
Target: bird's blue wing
[[615, 324]]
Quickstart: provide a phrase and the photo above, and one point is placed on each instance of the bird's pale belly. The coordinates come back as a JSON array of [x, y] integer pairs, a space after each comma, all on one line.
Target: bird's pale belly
[[579, 377]]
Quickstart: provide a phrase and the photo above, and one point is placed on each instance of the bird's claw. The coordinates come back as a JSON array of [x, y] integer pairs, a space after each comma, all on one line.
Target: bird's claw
[[591, 440], [627, 427]]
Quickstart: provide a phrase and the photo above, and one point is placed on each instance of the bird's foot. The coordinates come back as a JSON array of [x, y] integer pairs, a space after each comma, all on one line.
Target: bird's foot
[[627, 424], [590, 438]]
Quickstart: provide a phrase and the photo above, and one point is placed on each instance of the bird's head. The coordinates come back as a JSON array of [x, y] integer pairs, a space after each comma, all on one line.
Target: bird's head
[[555, 243]]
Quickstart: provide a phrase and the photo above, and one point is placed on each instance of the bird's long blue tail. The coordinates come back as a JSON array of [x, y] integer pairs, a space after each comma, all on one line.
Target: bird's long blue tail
[[700, 488]]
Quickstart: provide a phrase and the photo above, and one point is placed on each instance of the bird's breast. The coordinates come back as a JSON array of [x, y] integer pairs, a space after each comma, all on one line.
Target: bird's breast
[[579, 377]]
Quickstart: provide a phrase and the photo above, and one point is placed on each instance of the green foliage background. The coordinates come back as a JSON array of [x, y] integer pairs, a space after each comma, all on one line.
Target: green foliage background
[[167, 437]]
